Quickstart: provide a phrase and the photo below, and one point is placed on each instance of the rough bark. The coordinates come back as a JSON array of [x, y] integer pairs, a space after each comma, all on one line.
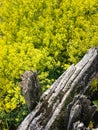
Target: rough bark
[[79, 113], [80, 126], [51, 107], [31, 89]]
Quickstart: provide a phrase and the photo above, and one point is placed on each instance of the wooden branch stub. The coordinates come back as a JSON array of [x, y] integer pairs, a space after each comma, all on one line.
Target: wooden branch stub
[[80, 109], [31, 89]]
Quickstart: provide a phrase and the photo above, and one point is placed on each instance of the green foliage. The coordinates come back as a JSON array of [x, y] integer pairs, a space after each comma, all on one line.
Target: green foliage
[[93, 90], [46, 35], [96, 103], [94, 84], [13, 118]]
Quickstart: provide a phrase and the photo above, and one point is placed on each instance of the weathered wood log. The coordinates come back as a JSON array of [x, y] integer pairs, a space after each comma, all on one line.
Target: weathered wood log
[[51, 109], [31, 89], [79, 113]]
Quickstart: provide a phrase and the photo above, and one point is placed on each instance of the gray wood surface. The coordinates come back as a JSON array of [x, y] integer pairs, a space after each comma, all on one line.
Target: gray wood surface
[[52, 104]]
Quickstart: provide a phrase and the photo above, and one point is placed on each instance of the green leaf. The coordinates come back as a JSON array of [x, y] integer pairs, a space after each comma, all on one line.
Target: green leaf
[[96, 103]]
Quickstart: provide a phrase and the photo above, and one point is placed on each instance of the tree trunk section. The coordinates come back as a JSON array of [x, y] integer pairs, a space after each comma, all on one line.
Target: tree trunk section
[[50, 112]]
